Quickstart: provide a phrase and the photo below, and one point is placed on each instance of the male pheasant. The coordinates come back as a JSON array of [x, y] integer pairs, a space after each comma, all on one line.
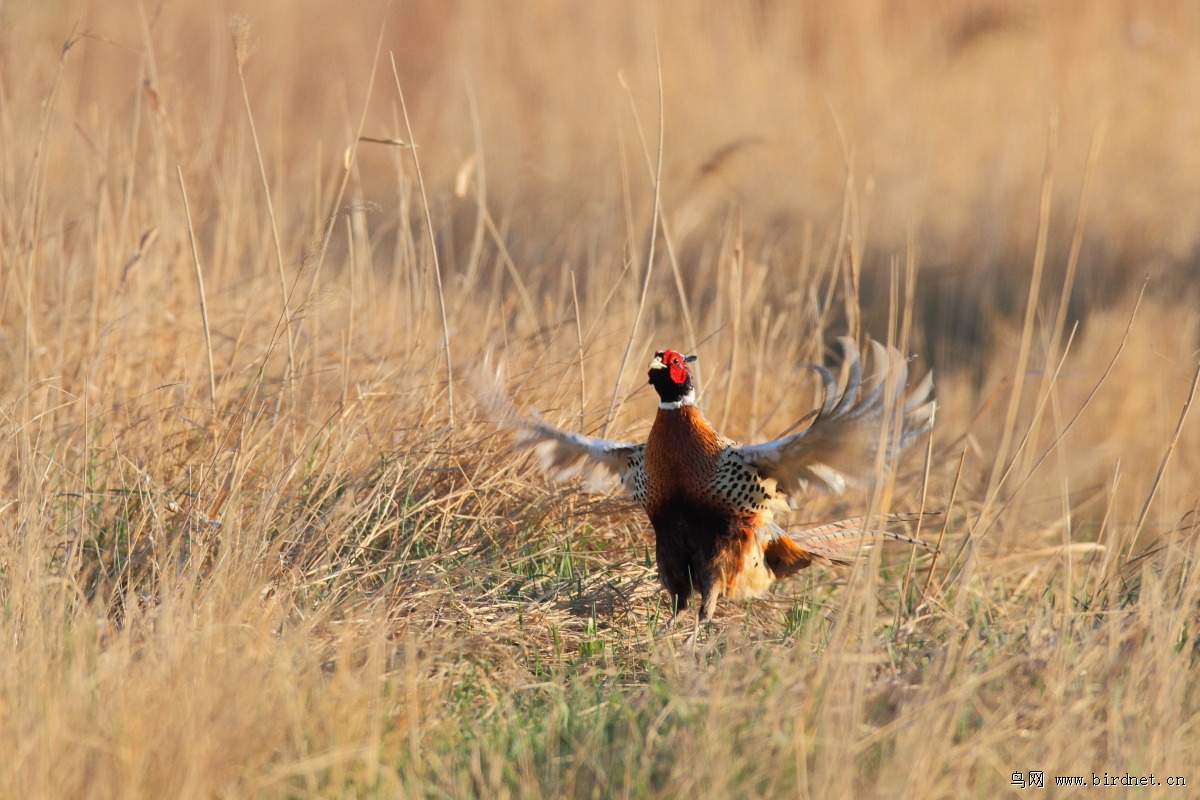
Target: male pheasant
[[711, 501]]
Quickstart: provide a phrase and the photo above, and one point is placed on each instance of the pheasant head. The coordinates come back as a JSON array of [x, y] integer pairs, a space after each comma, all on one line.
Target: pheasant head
[[672, 379]]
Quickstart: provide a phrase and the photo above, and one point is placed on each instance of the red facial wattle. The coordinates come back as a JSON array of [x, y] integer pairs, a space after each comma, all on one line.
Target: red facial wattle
[[676, 366]]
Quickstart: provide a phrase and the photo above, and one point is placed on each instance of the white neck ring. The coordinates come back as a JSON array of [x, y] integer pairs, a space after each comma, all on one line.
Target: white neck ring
[[688, 399]]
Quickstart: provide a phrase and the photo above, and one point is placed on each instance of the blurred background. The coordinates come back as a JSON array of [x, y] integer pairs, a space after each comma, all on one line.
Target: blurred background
[[946, 132], [1024, 166]]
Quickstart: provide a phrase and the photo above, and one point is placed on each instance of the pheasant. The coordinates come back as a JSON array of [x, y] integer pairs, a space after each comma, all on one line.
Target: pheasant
[[712, 501]]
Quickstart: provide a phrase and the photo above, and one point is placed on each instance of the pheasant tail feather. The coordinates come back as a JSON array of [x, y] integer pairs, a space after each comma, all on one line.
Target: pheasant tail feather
[[839, 542]]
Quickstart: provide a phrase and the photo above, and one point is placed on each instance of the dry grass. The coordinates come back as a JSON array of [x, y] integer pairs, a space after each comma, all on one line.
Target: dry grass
[[244, 552]]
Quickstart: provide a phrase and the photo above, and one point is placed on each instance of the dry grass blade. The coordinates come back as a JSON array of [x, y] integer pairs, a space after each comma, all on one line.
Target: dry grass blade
[[243, 48], [433, 252], [1162, 467], [613, 406], [212, 372]]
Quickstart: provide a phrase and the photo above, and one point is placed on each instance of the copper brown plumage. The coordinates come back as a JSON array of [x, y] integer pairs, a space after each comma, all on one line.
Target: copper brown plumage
[[711, 501]]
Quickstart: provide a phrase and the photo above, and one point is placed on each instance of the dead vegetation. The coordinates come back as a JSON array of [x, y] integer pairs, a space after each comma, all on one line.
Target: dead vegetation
[[253, 543]]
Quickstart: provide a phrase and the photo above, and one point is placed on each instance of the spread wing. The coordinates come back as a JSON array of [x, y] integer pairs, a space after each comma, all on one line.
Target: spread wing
[[839, 448], [564, 455]]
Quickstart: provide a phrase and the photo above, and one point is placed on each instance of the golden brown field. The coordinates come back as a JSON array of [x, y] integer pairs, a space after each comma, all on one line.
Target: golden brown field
[[257, 538]]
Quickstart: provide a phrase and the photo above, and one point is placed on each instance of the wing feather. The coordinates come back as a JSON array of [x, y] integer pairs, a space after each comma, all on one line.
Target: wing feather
[[561, 453], [565, 455], [839, 448]]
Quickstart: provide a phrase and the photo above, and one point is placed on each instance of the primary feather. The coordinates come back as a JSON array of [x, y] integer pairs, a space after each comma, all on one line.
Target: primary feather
[[565, 455], [839, 449]]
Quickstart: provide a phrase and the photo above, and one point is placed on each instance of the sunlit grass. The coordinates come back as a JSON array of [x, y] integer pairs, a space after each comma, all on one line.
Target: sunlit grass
[[259, 560]]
